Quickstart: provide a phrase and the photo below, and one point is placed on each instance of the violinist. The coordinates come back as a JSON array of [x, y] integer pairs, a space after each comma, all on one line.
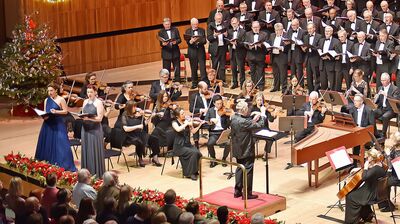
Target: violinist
[[215, 85], [270, 115], [71, 98], [127, 93], [135, 128], [357, 201], [163, 84], [314, 113], [248, 91], [188, 154], [294, 88], [91, 79], [198, 104], [163, 120], [218, 116], [358, 86]]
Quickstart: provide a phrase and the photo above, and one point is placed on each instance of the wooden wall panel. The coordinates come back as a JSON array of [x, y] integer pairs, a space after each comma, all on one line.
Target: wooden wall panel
[[2, 24]]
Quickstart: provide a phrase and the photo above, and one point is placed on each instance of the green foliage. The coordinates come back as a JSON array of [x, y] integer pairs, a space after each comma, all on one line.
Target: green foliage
[[29, 63]]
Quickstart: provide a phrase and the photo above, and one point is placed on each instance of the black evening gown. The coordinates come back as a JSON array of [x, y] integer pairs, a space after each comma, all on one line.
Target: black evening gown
[[163, 129]]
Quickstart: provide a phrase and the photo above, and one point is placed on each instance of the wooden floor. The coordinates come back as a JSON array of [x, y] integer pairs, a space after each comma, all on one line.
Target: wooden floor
[[304, 203]]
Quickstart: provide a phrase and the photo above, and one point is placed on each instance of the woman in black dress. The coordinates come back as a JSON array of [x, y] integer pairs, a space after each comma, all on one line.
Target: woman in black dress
[[258, 102], [358, 86], [188, 154], [127, 93], [248, 91], [357, 201], [135, 128], [91, 79]]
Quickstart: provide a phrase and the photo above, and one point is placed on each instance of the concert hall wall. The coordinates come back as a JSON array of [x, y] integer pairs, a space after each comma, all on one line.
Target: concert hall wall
[[100, 34]]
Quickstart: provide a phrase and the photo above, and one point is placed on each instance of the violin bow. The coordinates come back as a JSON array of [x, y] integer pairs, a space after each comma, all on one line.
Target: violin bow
[[70, 92], [256, 84], [144, 107], [194, 106]]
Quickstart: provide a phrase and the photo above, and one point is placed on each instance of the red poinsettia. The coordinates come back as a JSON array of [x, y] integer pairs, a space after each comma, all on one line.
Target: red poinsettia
[[32, 24]]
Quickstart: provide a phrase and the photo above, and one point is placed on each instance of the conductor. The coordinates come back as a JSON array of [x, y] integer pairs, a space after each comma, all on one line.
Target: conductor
[[243, 146]]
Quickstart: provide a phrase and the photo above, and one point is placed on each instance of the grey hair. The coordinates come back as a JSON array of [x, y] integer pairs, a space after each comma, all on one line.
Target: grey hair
[[278, 26], [164, 72], [194, 20], [257, 218], [314, 94], [166, 19], [186, 218], [241, 106], [385, 75], [359, 96], [83, 175], [108, 179]]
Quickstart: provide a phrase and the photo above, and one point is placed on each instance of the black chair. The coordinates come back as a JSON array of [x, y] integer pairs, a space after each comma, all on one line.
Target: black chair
[[382, 196], [117, 139], [169, 154], [75, 143]]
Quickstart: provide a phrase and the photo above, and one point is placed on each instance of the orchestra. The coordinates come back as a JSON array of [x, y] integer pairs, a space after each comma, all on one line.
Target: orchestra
[[351, 51]]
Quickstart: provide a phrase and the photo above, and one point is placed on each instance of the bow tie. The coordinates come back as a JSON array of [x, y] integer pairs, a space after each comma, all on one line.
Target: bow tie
[[167, 29], [388, 25], [195, 30], [361, 44], [309, 20], [236, 30], [255, 33], [217, 24], [243, 15], [327, 40], [294, 31], [268, 12], [289, 20], [311, 35]]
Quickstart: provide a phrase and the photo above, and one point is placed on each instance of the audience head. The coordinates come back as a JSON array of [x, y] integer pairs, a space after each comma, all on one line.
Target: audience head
[[164, 75], [127, 87], [222, 214], [86, 208], [51, 180], [89, 221], [84, 176], [385, 79], [193, 207], [144, 211], [32, 204], [35, 218], [110, 178], [170, 196], [194, 23], [257, 219], [125, 195], [38, 193], [110, 204], [66, 219], [186, 218], [358, 100], [111, 222], [15, 187], [159, 218], [167, 23], [64, 196]]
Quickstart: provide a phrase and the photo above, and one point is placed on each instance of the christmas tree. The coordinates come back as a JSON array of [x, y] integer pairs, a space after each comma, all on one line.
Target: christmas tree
[[29, 63]]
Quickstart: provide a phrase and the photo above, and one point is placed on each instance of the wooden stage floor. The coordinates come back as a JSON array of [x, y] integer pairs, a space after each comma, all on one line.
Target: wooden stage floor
[[304, 203]]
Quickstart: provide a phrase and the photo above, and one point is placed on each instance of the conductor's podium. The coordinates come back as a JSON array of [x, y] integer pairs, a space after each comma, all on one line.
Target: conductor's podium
[[327, 136]]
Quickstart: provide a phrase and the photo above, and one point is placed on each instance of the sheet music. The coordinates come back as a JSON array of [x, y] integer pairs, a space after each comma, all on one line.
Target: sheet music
[[350, 54], [396, 165], [333, 53], [39, 112], [266, 133], [340, 158]]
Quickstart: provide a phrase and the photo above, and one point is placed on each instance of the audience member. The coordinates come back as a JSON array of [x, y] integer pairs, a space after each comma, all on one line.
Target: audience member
[[109, 211], [257, 219], [86, 211], [194, 208], [108, 189], [170, 209], [62, 206], [82, 189], [186, 218], [13, 199], [66, 219], [222, 214], [50, 192]]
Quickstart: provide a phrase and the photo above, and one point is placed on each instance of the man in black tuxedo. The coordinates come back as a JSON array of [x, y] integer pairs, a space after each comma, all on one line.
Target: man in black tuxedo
[[369, 6], [245, 18], [343, 64], [217, 125], [279, 57], [287, 21], [305, 5], [385, 111], [199, 104], [313, 116], [382, 50], [256, 54], [396, 65], [311, 19], [161, 84], [354, 24], [170, 52], [196, 51], [390, 26], [333, 21], [361, 50], [219, 9], [312, 57], [254, 5], [170, 209], [237, 52], [268, 18], [385, 11], [218, 45], [291, 4], [327, 62], [329, 4], [235, 6], [372, 27], [296, 54]]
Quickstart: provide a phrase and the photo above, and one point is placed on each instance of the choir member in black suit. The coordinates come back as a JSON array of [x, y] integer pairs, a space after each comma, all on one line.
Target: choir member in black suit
[[220, 9], [329, 4], [350, 5], [357, 201], [312, 114], [333, 21], [372, 27], [363, 116], [198, 104], [170, 52], [196, 51], [327, 62], [268, 18], [291, 4], [279, 58], [311, 19], [243, 148], [287, 21], [385, 11], [219, 122], [254, 5], [385, 111], [312, 57], [390, 26], [237, 53], [354, 24], [369, 6], [218, 45], [245, 18], [362, 49], [305, 5], [296, 54], [162, 84], [343, 64], [256, 53], [382, 50], [396, 65], [233, 10]]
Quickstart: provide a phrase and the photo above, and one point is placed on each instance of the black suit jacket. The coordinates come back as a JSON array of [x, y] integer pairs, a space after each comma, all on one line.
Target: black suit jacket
[[297, 55], [296, 4], [328, 64], [389, 45], [199, 103], [367, 117], [197, 50], [317, 22], [394, 29], [391, 91], [156, 88], [363, 64], [313, 56], [381, 14], [255, 54], [282, 57], [247, 16], [374, 29], [225, 16], [360, 25], [259, 4], [274, 15], [317, 116], [339, 50], [172, 212], [213, 41], [241, 36], [170, 51], [285, 22], [211, 113]]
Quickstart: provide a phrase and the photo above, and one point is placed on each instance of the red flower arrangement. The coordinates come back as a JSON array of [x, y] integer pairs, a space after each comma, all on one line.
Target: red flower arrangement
[[40, 170]]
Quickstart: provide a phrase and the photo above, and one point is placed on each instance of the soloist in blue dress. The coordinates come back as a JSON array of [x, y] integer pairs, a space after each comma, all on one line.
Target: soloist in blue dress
[[53, 145]]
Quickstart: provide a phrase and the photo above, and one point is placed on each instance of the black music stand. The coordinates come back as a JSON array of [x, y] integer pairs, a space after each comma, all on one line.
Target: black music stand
[[333, 98], [339, 160], [225, 139], [293, 102], [292, 124], [395, 103]]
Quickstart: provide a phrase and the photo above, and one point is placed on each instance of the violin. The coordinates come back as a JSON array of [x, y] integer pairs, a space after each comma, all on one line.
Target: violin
[[223, 111], [195, 121], [318, 106], [298, 90], [208, 94], [172, 85], [100, 85], [216, 82]]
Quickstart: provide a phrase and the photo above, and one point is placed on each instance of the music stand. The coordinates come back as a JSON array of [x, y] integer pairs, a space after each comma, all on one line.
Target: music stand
[[293, 102], [225, 138], [394, 103], [370, 103], [333, 98], [292, 124], [339, 160]]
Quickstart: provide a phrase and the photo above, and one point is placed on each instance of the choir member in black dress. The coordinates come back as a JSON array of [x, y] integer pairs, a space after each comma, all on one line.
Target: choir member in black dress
[[357, 206], [219, 121], [127, 93], [188, 154], [258, 104], [91, 79], [135, 127], [162, 121], [173, 89], [243, 147]]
